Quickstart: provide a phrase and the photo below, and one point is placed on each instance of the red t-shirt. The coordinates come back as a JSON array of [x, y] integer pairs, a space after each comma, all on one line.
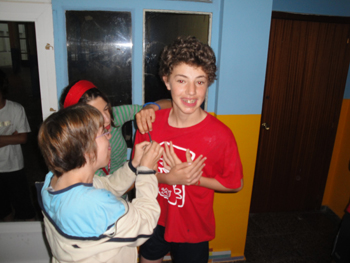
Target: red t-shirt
[[187, 211]]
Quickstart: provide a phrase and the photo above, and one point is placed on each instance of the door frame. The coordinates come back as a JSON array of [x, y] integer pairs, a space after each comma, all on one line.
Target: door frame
[[296, 17], [41, 15]]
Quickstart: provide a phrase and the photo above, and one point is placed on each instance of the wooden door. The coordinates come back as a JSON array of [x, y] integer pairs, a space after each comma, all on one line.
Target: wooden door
[[306, 73]]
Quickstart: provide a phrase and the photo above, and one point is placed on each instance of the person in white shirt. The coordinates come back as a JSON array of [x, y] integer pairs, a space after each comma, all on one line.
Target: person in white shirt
[[15, 201]]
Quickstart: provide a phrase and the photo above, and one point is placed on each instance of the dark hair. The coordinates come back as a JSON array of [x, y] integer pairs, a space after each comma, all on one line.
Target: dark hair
[[4, 83], [67, 135], [88, 96], [191, 51]]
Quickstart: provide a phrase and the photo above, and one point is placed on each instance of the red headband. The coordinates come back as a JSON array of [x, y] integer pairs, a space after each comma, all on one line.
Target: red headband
[[76, 91]]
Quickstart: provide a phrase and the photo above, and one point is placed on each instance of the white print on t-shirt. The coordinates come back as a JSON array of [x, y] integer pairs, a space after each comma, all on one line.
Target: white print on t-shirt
[[178, 198], [5, 123], [5, 128]]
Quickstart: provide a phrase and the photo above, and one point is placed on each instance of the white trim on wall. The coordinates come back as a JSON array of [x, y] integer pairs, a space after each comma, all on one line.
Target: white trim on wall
[[39, 12]]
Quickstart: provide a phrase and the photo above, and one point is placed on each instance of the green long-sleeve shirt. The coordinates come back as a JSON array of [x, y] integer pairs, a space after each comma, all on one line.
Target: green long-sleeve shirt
[[121, 114]]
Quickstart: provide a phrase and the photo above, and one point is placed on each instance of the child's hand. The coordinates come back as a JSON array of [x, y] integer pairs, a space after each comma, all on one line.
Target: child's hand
[[151, 155], [144, 119], [187, 173], [139, 150], [170, 158]]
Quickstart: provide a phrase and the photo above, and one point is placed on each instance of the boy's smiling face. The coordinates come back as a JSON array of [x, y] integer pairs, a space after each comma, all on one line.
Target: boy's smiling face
[[188, 86]]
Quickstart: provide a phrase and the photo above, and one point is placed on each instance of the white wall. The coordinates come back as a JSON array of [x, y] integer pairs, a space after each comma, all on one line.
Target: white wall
[[23, 242]]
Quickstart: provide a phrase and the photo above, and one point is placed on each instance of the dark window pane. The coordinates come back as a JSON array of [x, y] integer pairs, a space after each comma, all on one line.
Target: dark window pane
[[99, 49], [160, 30]]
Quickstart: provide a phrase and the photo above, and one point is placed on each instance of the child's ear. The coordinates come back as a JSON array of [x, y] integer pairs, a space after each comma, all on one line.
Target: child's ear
[[165, 79], [90, 157]]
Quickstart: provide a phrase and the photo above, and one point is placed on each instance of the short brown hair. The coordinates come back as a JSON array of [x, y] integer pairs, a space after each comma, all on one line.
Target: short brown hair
[[191, 51], [67, 135]]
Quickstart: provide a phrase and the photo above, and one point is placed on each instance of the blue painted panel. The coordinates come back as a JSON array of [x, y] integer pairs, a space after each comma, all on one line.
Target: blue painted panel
[[136, 7], [243, 56], [240, 34]]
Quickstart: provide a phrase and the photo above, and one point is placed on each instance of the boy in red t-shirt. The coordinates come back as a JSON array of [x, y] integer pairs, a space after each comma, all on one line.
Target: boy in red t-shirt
[[187, 223]]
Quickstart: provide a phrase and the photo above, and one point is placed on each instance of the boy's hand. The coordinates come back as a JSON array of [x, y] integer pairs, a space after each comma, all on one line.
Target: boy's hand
[[144, 119], [151, 155], [186, 173], [170, 158]]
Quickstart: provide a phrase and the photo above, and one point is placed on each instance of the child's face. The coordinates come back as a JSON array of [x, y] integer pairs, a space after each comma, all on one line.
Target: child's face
[[103, 148], [188, 86], [102, 106]]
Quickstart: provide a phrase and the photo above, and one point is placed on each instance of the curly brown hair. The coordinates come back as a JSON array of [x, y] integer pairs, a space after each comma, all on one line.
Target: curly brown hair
[[191, 51]]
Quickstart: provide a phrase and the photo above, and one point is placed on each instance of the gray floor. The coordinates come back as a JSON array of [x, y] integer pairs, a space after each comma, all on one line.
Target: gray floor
[[291, 237]]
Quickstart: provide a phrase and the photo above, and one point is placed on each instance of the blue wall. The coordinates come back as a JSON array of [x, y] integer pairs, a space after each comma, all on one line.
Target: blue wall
[[136, 8], [317, 7], [244, 46], [240, 32], [240, 35]]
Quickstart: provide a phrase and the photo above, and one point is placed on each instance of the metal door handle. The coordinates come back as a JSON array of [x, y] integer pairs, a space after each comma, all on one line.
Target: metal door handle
[[266, 126]]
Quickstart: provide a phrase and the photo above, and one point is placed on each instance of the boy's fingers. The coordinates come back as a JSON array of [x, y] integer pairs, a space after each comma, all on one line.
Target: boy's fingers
[[152, 117], [139, 122], [173, 154], [171, 147], [144, 119], [188, 156], [166, 148], [149, 124], [197, 177], [198, 164], [166, 159]]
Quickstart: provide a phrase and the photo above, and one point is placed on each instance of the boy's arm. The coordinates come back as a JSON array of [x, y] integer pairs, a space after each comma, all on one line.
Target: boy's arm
[[145, 117], [228, 179], [15, 138], [214, 184]]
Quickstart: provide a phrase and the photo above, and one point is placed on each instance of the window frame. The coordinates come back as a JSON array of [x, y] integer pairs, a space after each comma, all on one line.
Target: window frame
[[41, 14], [144, 44]]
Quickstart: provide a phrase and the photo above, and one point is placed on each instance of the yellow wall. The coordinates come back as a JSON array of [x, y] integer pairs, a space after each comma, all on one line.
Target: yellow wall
[[232, 210], [337, 192]]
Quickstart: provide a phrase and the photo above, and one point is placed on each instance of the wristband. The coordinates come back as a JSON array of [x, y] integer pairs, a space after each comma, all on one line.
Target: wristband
[[148, 103]]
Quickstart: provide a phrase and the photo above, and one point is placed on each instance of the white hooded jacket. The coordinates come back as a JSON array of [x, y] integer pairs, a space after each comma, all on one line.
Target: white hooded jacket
[[119, 243]]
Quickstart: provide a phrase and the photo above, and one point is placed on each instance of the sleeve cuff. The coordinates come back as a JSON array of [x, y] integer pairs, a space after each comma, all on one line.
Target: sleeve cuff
[[132, 168], [144, 170]]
